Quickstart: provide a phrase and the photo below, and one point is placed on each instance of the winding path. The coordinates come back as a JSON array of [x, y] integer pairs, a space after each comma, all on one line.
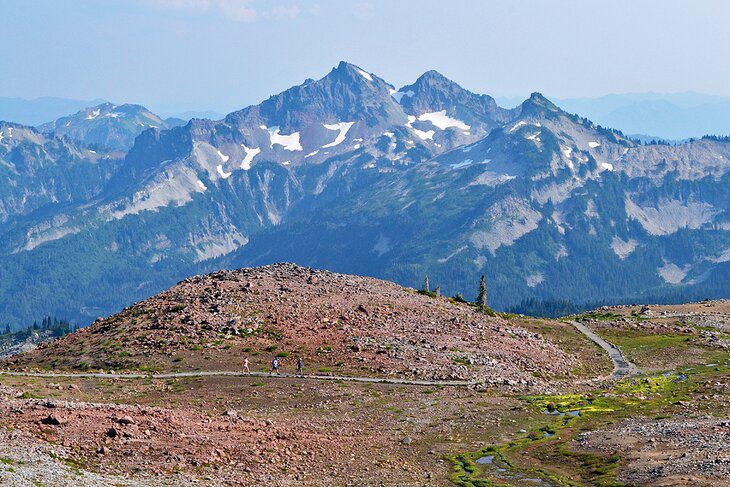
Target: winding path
[[223, 373], [621, 366]]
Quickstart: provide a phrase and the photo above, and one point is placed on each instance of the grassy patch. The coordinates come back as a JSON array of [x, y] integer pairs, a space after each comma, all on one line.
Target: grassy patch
[[659, 351], [546, 452]]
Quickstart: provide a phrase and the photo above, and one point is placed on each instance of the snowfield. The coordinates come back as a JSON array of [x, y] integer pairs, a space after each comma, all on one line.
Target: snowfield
[[442, 121], [250, 154], [343, 128], [289, 142]]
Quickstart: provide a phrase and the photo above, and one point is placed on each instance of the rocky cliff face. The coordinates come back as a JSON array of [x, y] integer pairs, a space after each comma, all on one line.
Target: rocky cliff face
[[349, 173], [39, 172]]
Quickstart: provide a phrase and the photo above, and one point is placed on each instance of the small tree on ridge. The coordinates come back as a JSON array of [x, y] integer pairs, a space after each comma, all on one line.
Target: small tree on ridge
[[482, 298]]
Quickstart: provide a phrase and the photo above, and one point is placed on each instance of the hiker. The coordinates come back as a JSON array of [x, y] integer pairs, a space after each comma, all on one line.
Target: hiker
[[275, 365], [245, 365], [299, 366]]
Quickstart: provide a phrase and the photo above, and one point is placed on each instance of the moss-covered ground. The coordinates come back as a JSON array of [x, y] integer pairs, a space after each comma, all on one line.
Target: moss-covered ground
[[545, 448]]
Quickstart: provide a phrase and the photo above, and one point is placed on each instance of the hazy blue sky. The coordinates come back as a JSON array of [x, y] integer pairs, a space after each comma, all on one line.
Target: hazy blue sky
[[226, 54]]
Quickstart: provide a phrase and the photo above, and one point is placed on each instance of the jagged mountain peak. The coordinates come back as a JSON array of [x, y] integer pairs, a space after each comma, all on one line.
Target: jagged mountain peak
[[435, 97], [537, 104], [432, 77], [346, 93], [345, 68], [433, 84]]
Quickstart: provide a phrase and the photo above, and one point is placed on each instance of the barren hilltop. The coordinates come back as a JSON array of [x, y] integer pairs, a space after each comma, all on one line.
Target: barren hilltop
[[336, 323]]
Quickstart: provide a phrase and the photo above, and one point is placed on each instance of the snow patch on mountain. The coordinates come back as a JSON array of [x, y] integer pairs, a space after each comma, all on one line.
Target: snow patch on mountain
[[593, 145], [442, 121], [202, 185], [464, 163], [364, 74], [222, 173], [519, 124], [223, 157], [420, 133], [289, 142], [427, 135], [343, 128], [250, 154]]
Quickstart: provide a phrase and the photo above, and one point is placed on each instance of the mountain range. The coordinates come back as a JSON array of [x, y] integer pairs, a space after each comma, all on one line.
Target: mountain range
[[352, 174]]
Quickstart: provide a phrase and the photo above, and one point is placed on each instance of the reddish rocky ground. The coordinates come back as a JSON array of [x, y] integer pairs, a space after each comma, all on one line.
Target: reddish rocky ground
[[292, 431], [340, 324], [236, 431]]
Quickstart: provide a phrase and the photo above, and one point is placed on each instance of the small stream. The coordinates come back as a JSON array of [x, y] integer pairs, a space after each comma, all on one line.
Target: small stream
[[497, 468]]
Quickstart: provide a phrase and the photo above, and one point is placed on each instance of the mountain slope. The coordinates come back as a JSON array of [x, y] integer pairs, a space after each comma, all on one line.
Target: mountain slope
[[548, 206], [347, 173], [40, 174], [106, 126]]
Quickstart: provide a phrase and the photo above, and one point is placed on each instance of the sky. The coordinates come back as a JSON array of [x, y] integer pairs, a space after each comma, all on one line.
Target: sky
[[222, 55]]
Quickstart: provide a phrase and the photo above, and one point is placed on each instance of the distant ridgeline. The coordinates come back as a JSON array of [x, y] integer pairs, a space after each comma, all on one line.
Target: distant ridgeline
[[556, 308]]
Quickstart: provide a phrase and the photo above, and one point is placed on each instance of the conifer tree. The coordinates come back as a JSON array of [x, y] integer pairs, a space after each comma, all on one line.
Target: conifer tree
[[482, 298], [425, 284]]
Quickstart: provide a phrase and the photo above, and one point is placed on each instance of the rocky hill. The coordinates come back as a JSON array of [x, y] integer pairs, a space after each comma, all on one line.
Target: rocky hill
[[340, 324]]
